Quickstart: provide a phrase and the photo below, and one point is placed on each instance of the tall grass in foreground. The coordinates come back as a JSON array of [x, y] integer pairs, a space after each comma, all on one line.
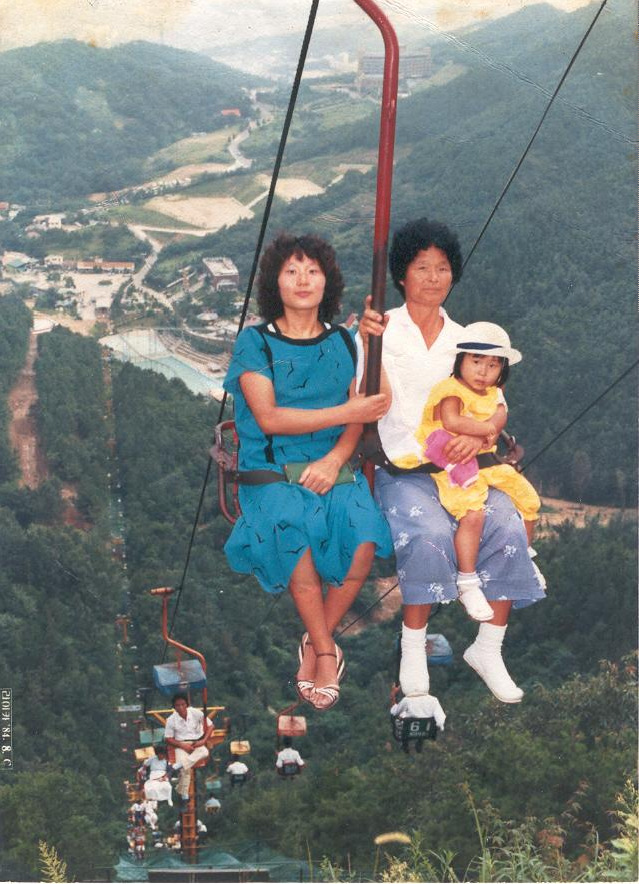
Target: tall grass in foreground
[[530, 851]]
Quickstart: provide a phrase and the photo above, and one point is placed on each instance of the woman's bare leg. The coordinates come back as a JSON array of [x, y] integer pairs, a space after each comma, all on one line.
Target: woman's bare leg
[[338, 601], [306, 590]]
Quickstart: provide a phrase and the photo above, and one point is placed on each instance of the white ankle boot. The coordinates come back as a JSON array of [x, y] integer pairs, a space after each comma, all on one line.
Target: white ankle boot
[[413, 669], [472, 598], [484, 656]]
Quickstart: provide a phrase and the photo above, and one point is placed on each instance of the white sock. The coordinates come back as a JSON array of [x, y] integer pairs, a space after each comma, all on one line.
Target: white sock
[[413, 669], [472, 597], [490, 637], [468, 577]]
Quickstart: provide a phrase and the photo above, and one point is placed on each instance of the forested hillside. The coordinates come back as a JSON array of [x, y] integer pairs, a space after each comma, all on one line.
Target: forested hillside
[[577, 721], [62, 591], [57, 644], [75, 118]]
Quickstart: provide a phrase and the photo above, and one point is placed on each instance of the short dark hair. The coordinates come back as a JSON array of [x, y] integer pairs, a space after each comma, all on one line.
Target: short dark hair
[[287, 742], [419, 235], [280, 250], [503, 375], [177, 697]]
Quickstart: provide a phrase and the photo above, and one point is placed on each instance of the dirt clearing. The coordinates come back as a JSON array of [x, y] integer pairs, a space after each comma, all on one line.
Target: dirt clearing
[[209, 213], [22, 428]]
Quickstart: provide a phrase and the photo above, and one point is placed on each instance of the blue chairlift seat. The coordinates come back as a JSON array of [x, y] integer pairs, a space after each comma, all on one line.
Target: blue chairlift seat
[[152, 737], [438, 650], [213, 784], [289, 769], [170, 678]]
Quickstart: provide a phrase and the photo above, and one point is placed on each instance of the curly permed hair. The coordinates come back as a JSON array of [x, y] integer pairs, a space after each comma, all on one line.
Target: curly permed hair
[[417, 236], [280, 250]]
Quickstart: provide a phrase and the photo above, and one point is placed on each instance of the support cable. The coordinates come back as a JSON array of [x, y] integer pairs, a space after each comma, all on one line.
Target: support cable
[[581, 414], [265, 218], [535, 133]]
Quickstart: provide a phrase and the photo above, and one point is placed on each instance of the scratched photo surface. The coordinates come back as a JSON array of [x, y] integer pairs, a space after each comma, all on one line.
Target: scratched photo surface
[[139, 146]]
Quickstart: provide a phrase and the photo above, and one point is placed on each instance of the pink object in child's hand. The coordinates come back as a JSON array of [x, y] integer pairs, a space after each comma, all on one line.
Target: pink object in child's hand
[[462, 474]]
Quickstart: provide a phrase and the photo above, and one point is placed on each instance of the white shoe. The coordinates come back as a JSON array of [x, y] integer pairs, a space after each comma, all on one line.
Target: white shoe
[[474, 600], [484, 656]]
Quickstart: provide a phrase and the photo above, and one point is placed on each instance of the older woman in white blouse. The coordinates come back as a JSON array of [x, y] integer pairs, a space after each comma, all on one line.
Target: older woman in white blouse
[[419, 341]]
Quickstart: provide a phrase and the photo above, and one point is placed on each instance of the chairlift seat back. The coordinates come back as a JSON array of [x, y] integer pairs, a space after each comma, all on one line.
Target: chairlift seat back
[[144, 753], [290, 769], [152, 737], [291, 726], [225, 455], [170, 678], [438, 649], [213, 784], [238, 778], [405, 729]]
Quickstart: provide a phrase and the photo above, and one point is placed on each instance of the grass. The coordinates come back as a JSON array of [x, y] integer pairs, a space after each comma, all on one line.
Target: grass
[[528, 851], [145, 217], [244, 188], [209, 148]]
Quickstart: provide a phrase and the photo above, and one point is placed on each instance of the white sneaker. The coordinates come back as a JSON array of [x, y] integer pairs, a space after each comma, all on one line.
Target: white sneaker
[[474, 600], [484, 656]]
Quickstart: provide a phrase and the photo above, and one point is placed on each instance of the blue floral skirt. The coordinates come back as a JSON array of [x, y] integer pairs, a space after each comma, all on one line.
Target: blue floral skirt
[[279, 522], [423, 534]]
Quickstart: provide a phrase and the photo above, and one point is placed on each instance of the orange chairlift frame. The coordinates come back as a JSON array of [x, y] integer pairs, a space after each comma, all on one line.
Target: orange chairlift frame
[[218, 735]]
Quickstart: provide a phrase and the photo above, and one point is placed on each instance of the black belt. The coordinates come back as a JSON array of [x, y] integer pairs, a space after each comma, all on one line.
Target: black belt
[[483, 460], [258, 477], [265, 477]]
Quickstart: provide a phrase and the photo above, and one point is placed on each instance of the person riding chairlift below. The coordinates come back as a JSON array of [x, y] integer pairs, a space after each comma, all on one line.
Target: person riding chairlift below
[[187, 730], [287, 756], [237, 770]]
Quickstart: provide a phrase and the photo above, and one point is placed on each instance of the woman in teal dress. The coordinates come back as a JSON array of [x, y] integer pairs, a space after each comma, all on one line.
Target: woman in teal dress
[[292, 379]]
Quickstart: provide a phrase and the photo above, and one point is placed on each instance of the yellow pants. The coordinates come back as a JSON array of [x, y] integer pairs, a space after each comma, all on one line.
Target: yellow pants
[[458, 501]]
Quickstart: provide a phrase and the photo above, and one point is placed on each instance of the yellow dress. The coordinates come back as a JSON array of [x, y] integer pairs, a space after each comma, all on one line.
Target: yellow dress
[[456, 500]]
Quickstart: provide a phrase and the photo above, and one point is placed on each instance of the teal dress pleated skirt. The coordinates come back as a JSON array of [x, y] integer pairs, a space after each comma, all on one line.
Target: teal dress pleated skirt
[[280, 521]]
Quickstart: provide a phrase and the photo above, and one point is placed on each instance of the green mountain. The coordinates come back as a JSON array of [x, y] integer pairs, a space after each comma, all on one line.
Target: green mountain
[[76, 119]]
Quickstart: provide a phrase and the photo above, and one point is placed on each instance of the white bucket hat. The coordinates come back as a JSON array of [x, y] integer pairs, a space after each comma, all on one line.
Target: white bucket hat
[[487, 339]]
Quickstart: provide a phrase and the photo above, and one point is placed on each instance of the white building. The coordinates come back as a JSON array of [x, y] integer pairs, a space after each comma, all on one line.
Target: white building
[[223, 274]]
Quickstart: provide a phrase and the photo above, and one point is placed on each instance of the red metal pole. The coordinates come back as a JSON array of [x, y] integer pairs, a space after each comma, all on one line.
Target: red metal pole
[[383, 198], [165, 592]]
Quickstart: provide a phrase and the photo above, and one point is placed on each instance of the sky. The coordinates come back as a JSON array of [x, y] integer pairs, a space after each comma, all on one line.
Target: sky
[[205, 24]]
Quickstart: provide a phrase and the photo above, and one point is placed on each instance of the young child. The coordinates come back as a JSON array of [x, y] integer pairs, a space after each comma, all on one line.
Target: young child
[[469, 402]]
